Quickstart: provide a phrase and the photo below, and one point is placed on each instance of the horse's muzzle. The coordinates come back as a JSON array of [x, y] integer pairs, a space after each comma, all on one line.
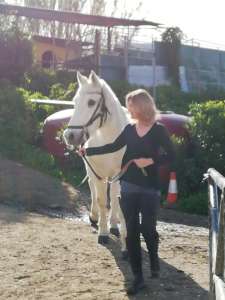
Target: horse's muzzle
[[74, 137]]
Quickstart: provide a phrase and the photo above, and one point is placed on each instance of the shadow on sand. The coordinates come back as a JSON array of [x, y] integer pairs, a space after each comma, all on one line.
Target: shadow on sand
[[174, 216], [173, 284]]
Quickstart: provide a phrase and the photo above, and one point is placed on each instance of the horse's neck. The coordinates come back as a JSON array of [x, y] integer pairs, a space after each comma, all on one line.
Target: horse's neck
[[116, 122]]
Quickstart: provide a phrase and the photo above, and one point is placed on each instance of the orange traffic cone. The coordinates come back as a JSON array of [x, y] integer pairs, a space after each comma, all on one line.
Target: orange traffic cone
[[172, 191]]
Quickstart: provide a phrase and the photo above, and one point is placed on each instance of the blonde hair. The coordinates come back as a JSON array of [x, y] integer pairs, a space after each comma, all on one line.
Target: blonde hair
[[145, 103]]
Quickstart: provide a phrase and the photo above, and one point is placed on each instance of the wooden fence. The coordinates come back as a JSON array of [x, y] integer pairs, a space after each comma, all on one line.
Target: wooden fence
[[216, 192]]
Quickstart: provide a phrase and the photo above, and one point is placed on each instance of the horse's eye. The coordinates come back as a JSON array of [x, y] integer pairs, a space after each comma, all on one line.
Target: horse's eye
[[91, 102]]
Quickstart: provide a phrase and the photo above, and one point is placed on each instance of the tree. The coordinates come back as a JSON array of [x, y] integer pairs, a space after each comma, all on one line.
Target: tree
[[75, 31], [172, 38], [15, 54]]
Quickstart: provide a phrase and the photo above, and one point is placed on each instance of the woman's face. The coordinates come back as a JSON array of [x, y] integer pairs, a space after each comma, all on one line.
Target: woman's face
[[133, 110]]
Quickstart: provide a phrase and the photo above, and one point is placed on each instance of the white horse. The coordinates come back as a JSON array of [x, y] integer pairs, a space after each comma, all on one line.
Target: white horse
[[98, 119]]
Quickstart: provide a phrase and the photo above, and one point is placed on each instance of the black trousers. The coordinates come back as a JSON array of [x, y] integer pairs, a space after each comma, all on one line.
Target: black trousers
[[140, 209]]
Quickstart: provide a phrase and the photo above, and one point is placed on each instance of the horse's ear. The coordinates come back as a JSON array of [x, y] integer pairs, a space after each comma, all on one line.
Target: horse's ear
[[81, 78], [94, 78]]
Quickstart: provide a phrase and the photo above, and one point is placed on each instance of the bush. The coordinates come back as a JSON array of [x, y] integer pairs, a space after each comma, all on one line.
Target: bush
[[41, 80], [206, 150], [207, 128], [170, 98], [58, 91], [188, 166], [19, 129], [16, 116], [196, 203]]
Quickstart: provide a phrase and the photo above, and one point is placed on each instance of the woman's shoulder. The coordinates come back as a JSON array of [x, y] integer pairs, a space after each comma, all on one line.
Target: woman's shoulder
[[129, 126], [160, 127], [159, 124]]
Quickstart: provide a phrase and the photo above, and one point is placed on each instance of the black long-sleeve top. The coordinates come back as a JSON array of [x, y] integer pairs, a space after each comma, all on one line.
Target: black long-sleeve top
[[155, 144]]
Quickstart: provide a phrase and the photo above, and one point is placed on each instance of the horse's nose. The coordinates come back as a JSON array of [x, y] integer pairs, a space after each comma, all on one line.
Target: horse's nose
[[73, 137], [70, 136]]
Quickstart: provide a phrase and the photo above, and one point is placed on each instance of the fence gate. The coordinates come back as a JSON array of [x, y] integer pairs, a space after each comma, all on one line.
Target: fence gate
[[216, 193]]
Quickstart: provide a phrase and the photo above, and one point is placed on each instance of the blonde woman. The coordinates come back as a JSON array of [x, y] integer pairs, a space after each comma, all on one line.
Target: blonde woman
[[140, 190]]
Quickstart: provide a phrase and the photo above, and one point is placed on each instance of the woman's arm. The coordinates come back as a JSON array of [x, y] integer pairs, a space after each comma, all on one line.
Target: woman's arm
[[167, 154], [108, 148]]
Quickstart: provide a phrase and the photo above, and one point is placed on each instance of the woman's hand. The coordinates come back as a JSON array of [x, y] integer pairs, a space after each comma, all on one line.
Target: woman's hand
[[143, 162], [81, 151]]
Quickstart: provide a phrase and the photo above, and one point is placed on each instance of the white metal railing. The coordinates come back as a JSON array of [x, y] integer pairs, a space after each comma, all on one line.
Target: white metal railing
[[216, 193]]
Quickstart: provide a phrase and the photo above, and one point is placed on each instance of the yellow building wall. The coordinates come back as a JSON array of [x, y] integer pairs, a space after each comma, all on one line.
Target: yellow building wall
[[59, 52]]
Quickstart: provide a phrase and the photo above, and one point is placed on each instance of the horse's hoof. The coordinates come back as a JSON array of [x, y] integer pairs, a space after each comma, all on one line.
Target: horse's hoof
[[93, 223], [124, 255], [115, 231], [103, 239]]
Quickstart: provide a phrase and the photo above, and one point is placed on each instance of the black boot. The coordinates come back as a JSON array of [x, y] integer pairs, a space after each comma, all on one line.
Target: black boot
[[154, 261], [154, 274], [137, 285]]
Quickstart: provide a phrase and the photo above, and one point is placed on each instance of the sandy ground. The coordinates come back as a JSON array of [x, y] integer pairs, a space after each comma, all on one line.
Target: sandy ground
[[44, 257]]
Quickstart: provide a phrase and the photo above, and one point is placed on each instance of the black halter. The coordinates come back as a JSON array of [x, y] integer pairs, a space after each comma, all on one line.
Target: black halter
[[102, 114]]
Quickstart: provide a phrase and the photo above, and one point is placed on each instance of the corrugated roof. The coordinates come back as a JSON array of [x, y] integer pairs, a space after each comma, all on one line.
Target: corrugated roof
[[59, 42], [70, 17]]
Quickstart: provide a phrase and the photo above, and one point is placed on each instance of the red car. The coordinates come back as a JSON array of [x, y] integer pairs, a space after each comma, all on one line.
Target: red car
[[175, 123]]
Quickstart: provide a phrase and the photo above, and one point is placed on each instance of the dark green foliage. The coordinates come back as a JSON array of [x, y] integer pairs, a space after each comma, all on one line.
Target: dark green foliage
[[205, 151], [207, 129], [42, 80], [19, 129], [188, 167], [16, 116], [121, 88], [15, 55], [172, 38], [196, 203], [58, 91], [170, 98]]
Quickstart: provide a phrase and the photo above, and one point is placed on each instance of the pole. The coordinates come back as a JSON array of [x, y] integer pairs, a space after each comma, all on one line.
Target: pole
[[126, 57], [97, 52], [109, 39], [153, 69]]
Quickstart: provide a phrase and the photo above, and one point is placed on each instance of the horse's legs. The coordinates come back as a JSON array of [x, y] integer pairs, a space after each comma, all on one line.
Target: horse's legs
[[117, 215], [113, 217], [103, 232], [123, 232], [94, 203]]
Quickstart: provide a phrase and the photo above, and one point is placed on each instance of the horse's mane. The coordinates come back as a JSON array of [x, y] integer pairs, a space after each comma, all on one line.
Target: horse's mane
[[110, 93], [106, 88]]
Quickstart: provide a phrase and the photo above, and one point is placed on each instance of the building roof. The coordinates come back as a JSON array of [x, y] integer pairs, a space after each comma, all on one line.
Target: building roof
[[70, 17], [59, 42]]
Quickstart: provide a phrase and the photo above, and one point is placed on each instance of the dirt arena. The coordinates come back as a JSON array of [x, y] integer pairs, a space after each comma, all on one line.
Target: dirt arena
[[48, 257]]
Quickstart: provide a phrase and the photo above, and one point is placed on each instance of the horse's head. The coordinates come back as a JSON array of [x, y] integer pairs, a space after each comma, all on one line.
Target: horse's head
[[90, 110]]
